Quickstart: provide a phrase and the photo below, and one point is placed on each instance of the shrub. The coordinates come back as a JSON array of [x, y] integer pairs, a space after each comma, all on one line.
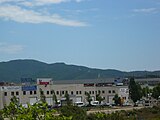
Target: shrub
[[77, 113]]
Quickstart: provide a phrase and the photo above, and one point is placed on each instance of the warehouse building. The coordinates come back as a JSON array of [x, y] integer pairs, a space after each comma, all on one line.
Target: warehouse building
[[30, 93]]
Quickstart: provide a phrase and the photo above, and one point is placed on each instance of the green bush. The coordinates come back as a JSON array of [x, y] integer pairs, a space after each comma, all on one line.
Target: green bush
[[1, 112], [77, 113], [104, 116], [99, 116]]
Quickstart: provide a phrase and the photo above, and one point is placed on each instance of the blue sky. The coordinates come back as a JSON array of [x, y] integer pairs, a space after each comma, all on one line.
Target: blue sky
[[107, 34]]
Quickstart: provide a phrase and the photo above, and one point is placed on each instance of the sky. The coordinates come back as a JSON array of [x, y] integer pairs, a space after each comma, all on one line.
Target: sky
[[105, 34]]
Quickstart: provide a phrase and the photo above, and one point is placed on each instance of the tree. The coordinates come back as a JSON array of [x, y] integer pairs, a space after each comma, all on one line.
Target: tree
[[117, 100], [42, 96], [11, 110], [88, 98], [99, 98], [68, 101], [156, 91], [55, 98], [145, 91], [15, 101], [38, 111], [135, 90]]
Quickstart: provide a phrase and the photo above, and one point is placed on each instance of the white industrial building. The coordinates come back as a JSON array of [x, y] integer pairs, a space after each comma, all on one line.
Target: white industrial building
[[30, 93]]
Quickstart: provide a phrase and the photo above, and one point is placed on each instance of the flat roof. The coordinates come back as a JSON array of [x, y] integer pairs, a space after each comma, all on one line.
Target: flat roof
[[148, 79], [83, 81]]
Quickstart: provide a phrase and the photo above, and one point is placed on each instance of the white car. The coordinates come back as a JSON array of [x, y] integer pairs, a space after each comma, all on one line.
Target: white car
[[79, 104], [95, 103]]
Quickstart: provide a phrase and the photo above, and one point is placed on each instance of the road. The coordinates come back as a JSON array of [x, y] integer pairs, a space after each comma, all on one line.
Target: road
[[111, 110]]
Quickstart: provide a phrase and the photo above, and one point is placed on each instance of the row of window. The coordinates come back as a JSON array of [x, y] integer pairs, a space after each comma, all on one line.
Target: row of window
[[59, 92], [17, 93], [103, 92], [78, 92]]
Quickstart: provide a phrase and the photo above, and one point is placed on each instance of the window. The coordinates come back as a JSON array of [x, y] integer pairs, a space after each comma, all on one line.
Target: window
[[66, 92], [62, 92], [103, 91], [17, 93], [5, 93], [77, 92], [12, 93], [92, 92], [51, 91], [57, 92], [71, 92], [99, 91], [109, 91], [47, 92], [113, 91], [80, 92], [24, 92], [89, 92], [35, 92], [30, 92]]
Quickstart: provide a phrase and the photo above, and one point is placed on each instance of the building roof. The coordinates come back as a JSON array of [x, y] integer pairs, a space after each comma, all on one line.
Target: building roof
[[83, 81], [148, 79]]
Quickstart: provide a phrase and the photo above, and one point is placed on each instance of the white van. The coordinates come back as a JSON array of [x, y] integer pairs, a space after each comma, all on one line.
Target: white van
[[95, 103], [79, 104]]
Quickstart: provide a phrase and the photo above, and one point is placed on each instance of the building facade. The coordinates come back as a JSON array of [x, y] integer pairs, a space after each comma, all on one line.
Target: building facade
[[27, 93]]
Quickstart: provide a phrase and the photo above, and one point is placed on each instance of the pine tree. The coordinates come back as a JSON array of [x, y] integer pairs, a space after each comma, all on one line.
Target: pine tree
[[135, 90]]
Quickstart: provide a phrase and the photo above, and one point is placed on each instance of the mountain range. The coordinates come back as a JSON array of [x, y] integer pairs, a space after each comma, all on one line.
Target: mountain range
[[14, 70]]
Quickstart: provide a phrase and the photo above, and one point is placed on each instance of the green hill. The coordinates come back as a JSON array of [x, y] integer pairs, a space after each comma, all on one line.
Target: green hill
[[14, 70]]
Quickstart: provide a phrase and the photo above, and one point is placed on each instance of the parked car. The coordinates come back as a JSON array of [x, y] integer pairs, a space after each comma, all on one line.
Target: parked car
[[79, 104], [108, 104], [95, 103], [127, 104]]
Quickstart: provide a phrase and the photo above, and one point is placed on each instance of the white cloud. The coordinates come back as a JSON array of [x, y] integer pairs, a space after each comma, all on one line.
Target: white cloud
[[10, 1], [16, 13], [5, 1], [38, 2], [10, 49], [26, 3], [146, 10], [44, 2]]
